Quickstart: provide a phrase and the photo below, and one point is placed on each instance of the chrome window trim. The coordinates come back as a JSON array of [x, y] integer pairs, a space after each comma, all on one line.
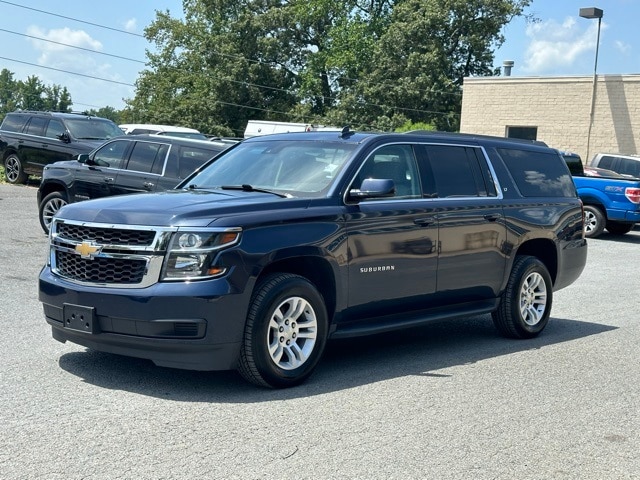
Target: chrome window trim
[[499, 195]]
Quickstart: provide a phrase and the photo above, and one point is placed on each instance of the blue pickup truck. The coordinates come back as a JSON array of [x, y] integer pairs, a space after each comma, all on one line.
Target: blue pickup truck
[[611, 202]]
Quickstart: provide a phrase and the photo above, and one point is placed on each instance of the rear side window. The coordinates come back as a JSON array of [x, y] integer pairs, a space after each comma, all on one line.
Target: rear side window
[[148, 157], [538, 174], [14, 123], [36, 126], [456, 172]]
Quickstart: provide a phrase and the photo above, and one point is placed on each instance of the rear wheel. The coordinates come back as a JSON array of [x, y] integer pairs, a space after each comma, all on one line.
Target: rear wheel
[[526, 302], [285, 333], [594, 221], [49, 207], [619, 228], [13, 171]]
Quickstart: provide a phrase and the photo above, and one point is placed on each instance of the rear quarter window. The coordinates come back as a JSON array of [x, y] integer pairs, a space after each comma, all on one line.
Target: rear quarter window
[[538, 174], [14, 123]]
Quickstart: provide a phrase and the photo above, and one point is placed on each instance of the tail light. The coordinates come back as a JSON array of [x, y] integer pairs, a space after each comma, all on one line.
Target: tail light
[[633, 194]]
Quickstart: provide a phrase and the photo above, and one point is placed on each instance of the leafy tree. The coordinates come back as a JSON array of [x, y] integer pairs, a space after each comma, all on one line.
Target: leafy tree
[[373, 64], [7, 90], [107, 112]]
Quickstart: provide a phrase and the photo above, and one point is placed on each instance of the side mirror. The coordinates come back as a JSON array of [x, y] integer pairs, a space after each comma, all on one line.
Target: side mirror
[[374, 188], [83, 158], [64, 137]]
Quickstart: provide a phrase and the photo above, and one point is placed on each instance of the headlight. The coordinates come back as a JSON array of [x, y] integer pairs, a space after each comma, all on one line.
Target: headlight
[[191, 254]]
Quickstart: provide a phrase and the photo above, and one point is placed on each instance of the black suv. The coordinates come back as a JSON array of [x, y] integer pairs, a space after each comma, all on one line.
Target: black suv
[[31, 140], [286, 241], [127, 164]]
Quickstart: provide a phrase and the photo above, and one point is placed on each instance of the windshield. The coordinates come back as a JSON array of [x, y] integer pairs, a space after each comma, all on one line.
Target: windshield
[[93, 128], [301, 168]]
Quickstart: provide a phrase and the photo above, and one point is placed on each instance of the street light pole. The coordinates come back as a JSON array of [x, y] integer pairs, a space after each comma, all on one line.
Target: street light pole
[[592, 13]]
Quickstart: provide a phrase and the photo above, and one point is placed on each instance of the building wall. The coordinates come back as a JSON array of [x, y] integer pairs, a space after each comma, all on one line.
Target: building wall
[[560, 109]]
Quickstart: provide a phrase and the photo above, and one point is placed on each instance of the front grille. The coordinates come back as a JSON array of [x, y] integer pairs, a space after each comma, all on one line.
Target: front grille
[[100, 270], [105, 236]]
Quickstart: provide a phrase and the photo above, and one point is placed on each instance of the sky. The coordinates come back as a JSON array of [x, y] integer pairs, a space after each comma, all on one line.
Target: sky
[[36, 38]]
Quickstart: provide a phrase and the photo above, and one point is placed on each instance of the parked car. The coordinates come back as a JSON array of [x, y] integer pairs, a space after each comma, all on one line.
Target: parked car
[[127, 164], [627, 165], [31, 140], [170, 130], [611, 200], [287, 240]]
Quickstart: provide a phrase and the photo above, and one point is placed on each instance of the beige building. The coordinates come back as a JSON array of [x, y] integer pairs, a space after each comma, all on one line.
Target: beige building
[[557, 110]]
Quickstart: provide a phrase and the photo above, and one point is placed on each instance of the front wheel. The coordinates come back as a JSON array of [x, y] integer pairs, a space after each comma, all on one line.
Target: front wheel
[[285, 333], [13, 171], [49, 207], [594, 221], [525, 305]]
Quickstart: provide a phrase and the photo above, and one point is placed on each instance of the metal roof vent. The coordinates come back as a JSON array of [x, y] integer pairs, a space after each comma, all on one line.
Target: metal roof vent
[[507, 65]]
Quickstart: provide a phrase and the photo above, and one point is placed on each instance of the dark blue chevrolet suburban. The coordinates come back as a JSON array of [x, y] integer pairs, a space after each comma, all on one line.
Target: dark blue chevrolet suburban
[[286, 241]]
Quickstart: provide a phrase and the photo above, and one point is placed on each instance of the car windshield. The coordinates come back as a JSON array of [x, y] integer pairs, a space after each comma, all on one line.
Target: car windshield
[[299, 168], [93, 128]]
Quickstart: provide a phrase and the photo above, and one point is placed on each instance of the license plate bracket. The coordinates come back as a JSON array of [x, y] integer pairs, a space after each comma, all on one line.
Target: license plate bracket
[[80, 318]]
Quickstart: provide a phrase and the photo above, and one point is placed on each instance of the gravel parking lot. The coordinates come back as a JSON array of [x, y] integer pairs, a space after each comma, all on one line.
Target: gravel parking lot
[[447, 401]]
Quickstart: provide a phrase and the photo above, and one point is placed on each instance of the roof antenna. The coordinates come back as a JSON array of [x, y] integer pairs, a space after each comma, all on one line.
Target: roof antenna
[[346, 133]]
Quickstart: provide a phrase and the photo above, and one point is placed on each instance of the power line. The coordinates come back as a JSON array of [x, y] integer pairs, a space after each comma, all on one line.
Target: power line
[[71, 46], [74, 19], [67, 71]]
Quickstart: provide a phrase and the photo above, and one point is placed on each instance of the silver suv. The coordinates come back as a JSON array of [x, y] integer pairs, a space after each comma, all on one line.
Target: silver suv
[[627, 165]]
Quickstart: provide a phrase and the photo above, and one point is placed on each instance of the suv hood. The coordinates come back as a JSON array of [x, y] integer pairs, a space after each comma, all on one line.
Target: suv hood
[[192, 208]]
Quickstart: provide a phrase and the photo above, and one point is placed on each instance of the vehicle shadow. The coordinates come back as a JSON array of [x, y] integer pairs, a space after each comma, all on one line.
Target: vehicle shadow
[[627, 238], [347, 363]]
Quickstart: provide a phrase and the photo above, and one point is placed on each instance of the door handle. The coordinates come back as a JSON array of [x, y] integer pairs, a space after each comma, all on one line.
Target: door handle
[[148, 185], [492, 217], [108, 179], [424, 222]]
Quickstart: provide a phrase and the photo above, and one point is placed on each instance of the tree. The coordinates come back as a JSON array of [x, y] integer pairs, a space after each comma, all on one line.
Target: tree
[[7, 91], [374, 64], [430, 46]]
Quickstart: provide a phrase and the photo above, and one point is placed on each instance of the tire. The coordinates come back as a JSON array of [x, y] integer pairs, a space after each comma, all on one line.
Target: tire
[[13, 171], [525, 305], [49, 207], [594, 221], [285, 333], [619, 228]]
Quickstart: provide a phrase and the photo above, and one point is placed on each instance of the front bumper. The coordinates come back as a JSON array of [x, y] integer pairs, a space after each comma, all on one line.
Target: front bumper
[[194, 326]]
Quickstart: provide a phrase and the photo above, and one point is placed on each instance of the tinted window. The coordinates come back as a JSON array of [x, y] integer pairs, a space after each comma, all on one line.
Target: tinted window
[[455, 171], [90, 128], [147, 157], [112, 154], [629, 167], [393, 162], [54, 129], [190, 158], [605, 161], [36, 126], [538, 174], [14, 123]]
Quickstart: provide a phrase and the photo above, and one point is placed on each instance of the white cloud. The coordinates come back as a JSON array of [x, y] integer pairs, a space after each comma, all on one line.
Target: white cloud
[[554, 47], [622, 46], [131, 25]]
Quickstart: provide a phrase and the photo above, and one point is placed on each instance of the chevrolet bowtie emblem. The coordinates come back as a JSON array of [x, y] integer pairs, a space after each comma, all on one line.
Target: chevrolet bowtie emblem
[[87, 250]]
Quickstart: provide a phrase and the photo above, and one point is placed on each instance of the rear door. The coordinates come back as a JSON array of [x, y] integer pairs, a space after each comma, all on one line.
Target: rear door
[[143, 169], [472, 230]]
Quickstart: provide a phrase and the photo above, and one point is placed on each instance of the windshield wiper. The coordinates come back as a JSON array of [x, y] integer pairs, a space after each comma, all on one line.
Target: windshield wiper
[[249, 188]]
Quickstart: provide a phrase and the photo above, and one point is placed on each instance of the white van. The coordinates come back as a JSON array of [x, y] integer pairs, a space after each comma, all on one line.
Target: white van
[[152, 129], [265, 127]]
